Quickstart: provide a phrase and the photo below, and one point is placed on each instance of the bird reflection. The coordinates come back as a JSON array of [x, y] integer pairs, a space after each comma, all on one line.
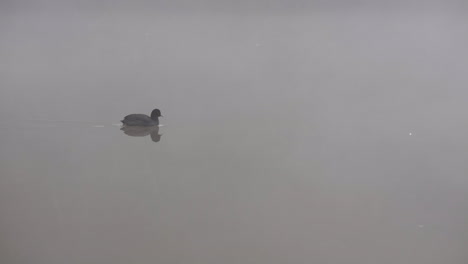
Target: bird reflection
[[141, 131]]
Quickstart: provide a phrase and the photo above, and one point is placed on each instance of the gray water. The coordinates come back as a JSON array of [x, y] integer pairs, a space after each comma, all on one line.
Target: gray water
[[335, 134]]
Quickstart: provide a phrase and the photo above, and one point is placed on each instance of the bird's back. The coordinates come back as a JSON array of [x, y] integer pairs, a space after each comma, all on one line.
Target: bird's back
[[139, 120]]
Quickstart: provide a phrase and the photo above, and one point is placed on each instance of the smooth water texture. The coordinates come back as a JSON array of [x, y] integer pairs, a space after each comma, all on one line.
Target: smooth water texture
[[330, 135]]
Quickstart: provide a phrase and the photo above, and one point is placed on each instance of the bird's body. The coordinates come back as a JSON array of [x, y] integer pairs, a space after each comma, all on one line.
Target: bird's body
[[139, 120], [142, 120]]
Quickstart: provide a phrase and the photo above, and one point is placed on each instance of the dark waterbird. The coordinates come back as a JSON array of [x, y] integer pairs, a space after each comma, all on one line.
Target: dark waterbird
[[142, 120]]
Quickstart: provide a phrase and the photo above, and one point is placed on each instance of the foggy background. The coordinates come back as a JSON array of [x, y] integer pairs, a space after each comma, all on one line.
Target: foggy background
[[295, 132]]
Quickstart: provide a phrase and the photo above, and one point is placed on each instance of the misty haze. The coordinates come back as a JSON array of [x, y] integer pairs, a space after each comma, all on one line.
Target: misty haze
[[292, 132]]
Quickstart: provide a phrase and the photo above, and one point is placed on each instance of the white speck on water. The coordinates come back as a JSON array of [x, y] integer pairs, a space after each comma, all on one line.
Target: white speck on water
[[410, 134], [98, 126], [420, 226]]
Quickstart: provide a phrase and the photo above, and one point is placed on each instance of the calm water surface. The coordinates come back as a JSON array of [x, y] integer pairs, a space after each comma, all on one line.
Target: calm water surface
[[326, 137]]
